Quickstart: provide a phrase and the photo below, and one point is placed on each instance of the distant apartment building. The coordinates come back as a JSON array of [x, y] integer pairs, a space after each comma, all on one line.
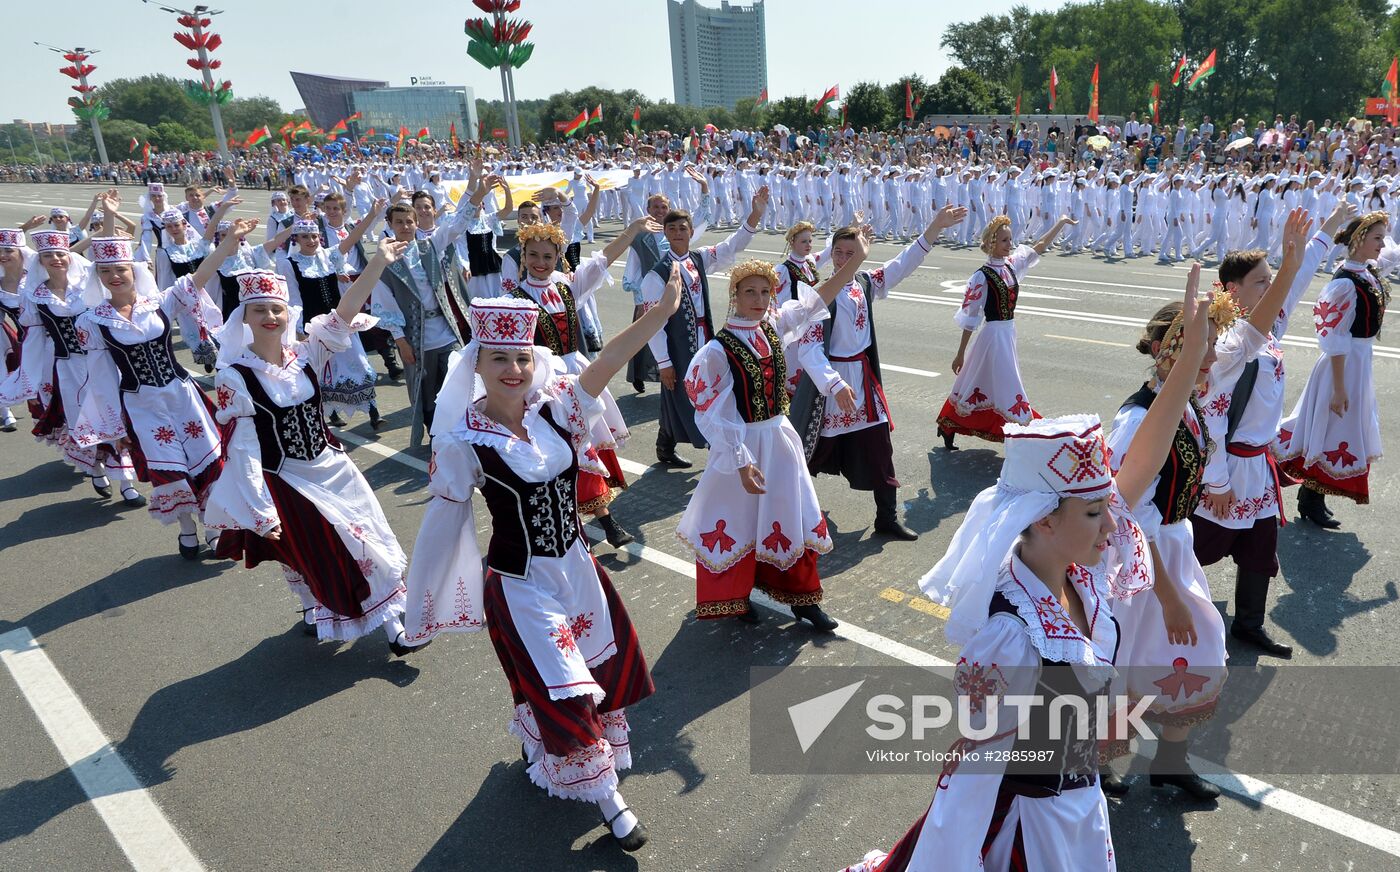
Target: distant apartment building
[[718, 56]]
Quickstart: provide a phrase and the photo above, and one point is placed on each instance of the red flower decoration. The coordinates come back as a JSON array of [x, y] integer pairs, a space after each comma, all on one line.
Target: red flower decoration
[[164, 435], [1340, 456], [581, 625], [776, 541], [820, 530], [1180, 682], [223, 395], [194, 429], [563, 638]]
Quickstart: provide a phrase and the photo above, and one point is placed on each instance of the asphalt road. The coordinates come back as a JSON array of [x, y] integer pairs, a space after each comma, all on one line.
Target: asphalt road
[[266, 750]]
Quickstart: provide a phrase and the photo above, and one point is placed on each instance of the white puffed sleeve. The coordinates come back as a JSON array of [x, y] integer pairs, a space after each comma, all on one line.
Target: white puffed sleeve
[[445, 580], [974, 304], [710, 386], [99, 416], [1120, 440], [1235, 348], [1333, 315], [239, 498]]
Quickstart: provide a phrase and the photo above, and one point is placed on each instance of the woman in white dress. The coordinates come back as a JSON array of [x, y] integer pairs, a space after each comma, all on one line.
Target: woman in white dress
[[1334, 435], [1031, 579], [513, 423], [15, 263], [288, 492], [987, 392], [137, 394]]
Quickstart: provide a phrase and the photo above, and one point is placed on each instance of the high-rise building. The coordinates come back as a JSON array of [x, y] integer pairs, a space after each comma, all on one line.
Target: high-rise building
[[718, 56]]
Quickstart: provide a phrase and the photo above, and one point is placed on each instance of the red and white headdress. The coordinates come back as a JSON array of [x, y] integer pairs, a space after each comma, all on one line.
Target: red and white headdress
[[155, 188], [11, 237], [503, 322], [258, 284], [172, 216], [50, 240], [303, 226], [111, 249], [1048, 460]]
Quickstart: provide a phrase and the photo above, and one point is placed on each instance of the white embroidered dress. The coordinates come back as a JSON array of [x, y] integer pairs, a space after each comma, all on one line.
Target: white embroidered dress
[[723, 522]]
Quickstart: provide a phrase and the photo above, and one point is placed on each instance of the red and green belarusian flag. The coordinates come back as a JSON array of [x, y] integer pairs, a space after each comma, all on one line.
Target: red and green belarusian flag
[[257, 136], [1016, 119], [1094, 96], [580, 121], [134, 142], [636, 119], [909, 100], [403, 140], [762, 99], [424, 133], [596, 117], [1204, 71], [1389, 89], [146, 154], [339, 126], [1054, 83], [830, 94], [452, 137], [1156, 101], [1176, 73]]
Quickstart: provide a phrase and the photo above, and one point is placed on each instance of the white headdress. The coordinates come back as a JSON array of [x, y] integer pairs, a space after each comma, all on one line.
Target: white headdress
[[255, 285], [106, 250]]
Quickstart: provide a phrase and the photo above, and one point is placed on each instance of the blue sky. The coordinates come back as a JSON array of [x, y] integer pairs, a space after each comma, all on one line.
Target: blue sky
[[811, 45]]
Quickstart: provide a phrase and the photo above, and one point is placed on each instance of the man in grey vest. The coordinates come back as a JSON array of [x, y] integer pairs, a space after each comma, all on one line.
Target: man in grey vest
[[422, 308]]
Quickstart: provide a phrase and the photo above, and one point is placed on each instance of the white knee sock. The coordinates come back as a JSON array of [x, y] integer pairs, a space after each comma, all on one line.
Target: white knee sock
[[611, 806], [187, 525], [393, 627]]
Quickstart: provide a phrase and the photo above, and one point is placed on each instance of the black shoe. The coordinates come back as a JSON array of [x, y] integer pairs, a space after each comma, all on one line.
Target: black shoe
[[751, 616], [189, 552], [672, 459], [1260, 638], [335, 420], [894, 529], [1189, 783], [103, 490], [639, 386], [617, 537], [375, 421], [307, 629], [401, 650], [1112, 783], [208, 369], [947, 439], [133, 497], [635, 838], [9, 427], [816, 617], [1313, 506]]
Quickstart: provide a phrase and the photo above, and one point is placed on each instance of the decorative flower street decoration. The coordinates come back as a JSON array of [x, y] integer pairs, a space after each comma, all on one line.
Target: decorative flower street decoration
[[498, 43]]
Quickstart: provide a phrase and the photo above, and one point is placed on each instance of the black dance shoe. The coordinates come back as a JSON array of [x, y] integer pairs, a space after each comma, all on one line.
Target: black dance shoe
[[335, 420], [617, 537], [1188, 783], [189, 552], [1112, 783], [103, 490], [894, 529], [947, 439], [133, 497], [814, 615], [672, 459], [375, 420], [1260, 638], [401, 650], [635, 838], [1313, 506], [751, 616]]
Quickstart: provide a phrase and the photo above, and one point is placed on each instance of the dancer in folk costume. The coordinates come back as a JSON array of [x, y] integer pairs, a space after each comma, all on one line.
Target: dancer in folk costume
[[16, 260], [754, 520], [137, 392], [987, 391], [692, 326], [1334, 433], [288, 492], [1173, 642], [314, 274], [513, 424], [559, 328], [840, 411], [798, 269], [1242, 509], [53, 365], [1031, 579]]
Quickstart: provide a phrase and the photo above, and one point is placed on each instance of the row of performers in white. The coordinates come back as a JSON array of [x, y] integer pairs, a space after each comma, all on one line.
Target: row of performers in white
[[561, 632]]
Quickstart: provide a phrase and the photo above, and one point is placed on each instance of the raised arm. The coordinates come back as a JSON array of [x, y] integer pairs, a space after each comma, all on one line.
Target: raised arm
[[355, 296], [624, 345], [279, 240], [211, 226], [595, 196], [618, 247], [1043, 243], [1154, 435], [1295, 237], [354, 236], [241, 228]]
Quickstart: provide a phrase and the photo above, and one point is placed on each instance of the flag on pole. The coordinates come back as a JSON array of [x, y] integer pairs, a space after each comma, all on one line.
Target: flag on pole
[[1390, 91], [1176, 74], [843, 116], [1094, 96], [762, 99], [1206, 68], [369, 132], [636, 119], [1016, 120], [257, 136], [909, 100], [403, 138], [355, 117], [918, 101], [596, 117], [452, 136], [339, 126], [1054, 83], [146, 154], [830, 94], [579, 122], [424, 133], [1156, 101], [132, 147]]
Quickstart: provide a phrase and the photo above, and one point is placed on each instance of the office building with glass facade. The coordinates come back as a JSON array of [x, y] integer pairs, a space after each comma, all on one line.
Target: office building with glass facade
[[435, 107], [327, 98]]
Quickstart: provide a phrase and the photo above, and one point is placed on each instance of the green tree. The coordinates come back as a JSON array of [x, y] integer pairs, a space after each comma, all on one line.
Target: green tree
[[172, 136], [869, 105], [959, 92], [246, 114], [617, 110], [153, 99], [794, 113], [1327, 68], [750, 116], [919, 87], [117, 133]]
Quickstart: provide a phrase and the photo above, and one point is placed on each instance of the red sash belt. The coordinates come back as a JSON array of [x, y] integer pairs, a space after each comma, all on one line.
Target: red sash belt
[[1241, 449], [873, 388]]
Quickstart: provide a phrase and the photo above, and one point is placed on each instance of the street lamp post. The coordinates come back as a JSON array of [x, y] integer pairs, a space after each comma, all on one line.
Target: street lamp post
[[87, 107]]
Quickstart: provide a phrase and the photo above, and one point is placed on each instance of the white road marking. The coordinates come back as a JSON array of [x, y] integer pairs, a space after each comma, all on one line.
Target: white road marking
[[142, 831], [1242, 786], [1082, 339]]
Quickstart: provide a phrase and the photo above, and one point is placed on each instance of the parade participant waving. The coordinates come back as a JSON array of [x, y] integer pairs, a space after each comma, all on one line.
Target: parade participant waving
[[754, 520], [1030, 578], [513, 424], [288, 492], [840, 409], [1334, 433], [987, 392]]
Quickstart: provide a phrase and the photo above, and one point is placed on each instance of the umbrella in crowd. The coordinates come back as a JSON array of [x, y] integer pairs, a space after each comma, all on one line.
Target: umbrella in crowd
[[1242, 142]]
